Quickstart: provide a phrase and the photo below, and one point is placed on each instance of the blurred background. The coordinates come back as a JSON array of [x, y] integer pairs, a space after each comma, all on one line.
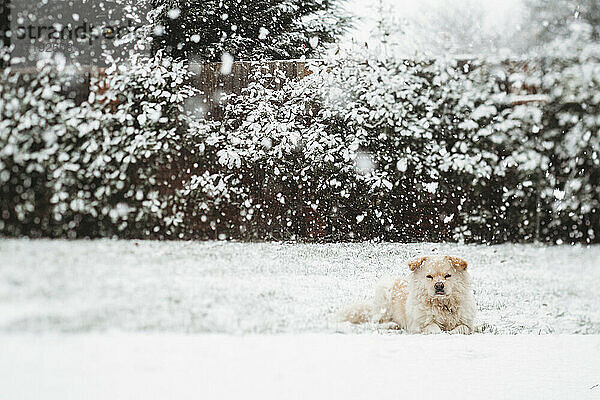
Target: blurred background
[[320, 120]]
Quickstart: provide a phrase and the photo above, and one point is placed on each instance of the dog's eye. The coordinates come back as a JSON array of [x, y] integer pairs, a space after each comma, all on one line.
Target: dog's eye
[[447, 276], [430, 277]]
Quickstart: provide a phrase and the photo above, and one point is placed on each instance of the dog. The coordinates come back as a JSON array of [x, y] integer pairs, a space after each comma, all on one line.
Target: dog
[[436, 297]]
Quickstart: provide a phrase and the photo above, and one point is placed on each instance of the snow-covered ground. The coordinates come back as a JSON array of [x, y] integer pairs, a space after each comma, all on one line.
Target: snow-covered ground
[[223, 287], [215, 320], [312, 366]]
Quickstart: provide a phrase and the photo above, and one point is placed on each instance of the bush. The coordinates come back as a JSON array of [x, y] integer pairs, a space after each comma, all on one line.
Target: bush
[[38, 124], [101, 168], [269, 169], [363, 148], [546, 178], [387, 149], [356, 150]]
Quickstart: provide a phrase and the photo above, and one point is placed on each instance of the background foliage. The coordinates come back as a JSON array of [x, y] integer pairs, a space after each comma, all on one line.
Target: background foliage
[[368, 146], [247, 30]]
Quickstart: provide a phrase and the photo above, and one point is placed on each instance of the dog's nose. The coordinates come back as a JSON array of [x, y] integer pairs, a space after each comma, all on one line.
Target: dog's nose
[[439, 286]]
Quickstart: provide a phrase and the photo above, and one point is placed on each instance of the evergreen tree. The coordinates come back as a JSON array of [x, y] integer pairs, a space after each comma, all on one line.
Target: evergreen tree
[[248, 29]]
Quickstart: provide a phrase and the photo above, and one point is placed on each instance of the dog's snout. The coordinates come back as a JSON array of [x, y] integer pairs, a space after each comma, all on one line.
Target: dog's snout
[[439, 286]]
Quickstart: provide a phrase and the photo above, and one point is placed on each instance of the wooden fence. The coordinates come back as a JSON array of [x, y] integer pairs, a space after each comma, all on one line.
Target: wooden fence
[[213, 82], [208, 77]]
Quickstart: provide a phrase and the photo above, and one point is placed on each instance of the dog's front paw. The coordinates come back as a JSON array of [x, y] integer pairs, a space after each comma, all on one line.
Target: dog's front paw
[[390, 325], [431, 329], [461, 330]]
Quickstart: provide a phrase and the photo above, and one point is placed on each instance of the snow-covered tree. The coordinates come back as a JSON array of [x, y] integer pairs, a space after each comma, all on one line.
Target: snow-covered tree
[[39, 125], [142, 144], [365, 148], [410, 118], [272, 168], [568, 139], [101, 168], [247, 30]]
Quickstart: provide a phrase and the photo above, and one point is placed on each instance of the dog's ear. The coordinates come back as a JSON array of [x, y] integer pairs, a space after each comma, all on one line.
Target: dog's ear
[[414, 264], [457, 263]]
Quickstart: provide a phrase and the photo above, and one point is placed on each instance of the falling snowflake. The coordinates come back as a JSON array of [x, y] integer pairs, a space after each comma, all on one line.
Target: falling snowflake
[[431, 187], [262, 33], [226, 63], [364, 163], [174, 13]]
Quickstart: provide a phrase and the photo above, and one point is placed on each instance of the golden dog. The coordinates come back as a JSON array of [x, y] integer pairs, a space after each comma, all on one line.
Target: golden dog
[[437, 297]]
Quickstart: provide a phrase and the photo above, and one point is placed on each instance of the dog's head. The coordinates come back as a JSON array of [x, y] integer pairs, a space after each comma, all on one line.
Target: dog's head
[[439, 276]]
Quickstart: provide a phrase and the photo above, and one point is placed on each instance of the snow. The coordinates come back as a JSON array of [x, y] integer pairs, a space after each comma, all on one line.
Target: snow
[[174, 13], [314, 366], [221, 320], [226, 63], [364, 162], [431, 187], [242, 288], [262, 33]]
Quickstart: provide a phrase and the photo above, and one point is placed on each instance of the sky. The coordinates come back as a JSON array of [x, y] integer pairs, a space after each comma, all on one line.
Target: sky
[[498, 15]]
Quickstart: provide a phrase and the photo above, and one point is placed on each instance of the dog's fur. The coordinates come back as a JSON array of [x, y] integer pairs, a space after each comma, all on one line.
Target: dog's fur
[[415, 305]]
